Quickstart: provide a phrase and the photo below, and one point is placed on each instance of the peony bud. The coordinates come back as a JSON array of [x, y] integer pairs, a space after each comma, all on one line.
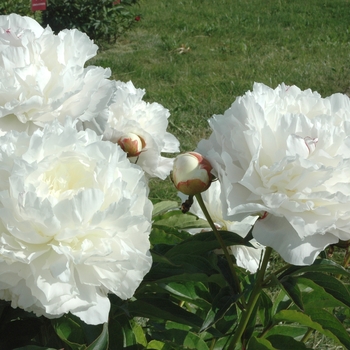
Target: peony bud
[[131, 144], [191, 173]]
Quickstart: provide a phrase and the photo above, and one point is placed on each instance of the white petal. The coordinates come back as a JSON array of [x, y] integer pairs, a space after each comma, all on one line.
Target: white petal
[[277, 233]]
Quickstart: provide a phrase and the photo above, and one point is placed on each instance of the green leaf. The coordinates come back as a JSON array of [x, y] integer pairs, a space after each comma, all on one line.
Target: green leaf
[[204, 242], [164, 206], [314, 295], [180, 221], [322, 265], [194, 292], [290, 286], [265, 309], [159, 308], [331, 323], [167, 236], [139, 333], [155, 345], [285, 342], [281, 302], [331, 285], [181, 264], [193, 341], [222, 304], [70, 332], [301, 318], [102, 342], [259, 344], [290, 330]]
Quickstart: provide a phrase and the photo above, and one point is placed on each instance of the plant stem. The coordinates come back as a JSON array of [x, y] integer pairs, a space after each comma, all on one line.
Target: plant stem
[[212, 344], [275, 273], [220, 240], [254, 297], [307, 335]]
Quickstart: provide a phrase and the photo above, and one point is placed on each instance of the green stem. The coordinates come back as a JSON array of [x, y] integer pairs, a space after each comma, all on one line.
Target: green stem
[[220, 240], [307, 335], [275, 273], [254, 297]]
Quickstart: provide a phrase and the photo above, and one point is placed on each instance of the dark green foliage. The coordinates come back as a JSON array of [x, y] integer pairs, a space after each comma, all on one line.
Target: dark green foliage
[[21, 7], [99, 19]]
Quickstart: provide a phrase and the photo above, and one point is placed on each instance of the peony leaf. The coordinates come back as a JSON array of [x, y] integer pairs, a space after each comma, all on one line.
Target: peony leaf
[[182, 264], [221, 306], [176, 219], [194, 292], [265, 309], [102, 342], [139, 334], [293, 316], [314, 295], [281, 302], [204, 242], [129, 336], [155, 345], [320, 265], [259, 344], [119, 329], [164, 206], [162, 308], [188, 290], [70, 332], [193, 341], [166, 236], [331, 323], [290, 286], [331, 285], [285, 342], [288, 330]]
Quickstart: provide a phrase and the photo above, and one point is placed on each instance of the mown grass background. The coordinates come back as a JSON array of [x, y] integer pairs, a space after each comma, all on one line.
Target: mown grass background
[[232, 43]]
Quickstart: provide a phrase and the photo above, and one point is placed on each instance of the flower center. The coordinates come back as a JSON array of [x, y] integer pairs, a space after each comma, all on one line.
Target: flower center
[[67, 176]]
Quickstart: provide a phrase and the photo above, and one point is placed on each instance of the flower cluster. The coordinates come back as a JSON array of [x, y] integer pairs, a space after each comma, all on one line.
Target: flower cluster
[[44, 78], [77, 150], [74, 210]]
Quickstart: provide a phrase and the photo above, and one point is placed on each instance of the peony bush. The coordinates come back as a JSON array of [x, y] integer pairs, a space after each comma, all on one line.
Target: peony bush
[[244, 261]]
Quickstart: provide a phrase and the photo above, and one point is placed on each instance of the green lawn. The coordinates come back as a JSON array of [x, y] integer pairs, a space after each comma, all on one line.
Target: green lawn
[[232, 43]]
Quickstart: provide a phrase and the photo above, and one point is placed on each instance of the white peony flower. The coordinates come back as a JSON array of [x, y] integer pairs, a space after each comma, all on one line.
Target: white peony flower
[[129, 114], [75, 222], [285, 154], [246, 257], [43, 77]]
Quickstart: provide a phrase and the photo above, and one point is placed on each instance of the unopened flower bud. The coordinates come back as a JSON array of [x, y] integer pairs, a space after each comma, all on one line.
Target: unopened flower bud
[[131, 144], [191, 173]]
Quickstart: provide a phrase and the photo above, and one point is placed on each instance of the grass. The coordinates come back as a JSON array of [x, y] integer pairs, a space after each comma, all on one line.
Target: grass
[[231, 45]]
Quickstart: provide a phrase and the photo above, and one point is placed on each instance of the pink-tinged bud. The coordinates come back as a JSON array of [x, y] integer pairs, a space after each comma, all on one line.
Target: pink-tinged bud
[[131, 144], [192, 173]]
